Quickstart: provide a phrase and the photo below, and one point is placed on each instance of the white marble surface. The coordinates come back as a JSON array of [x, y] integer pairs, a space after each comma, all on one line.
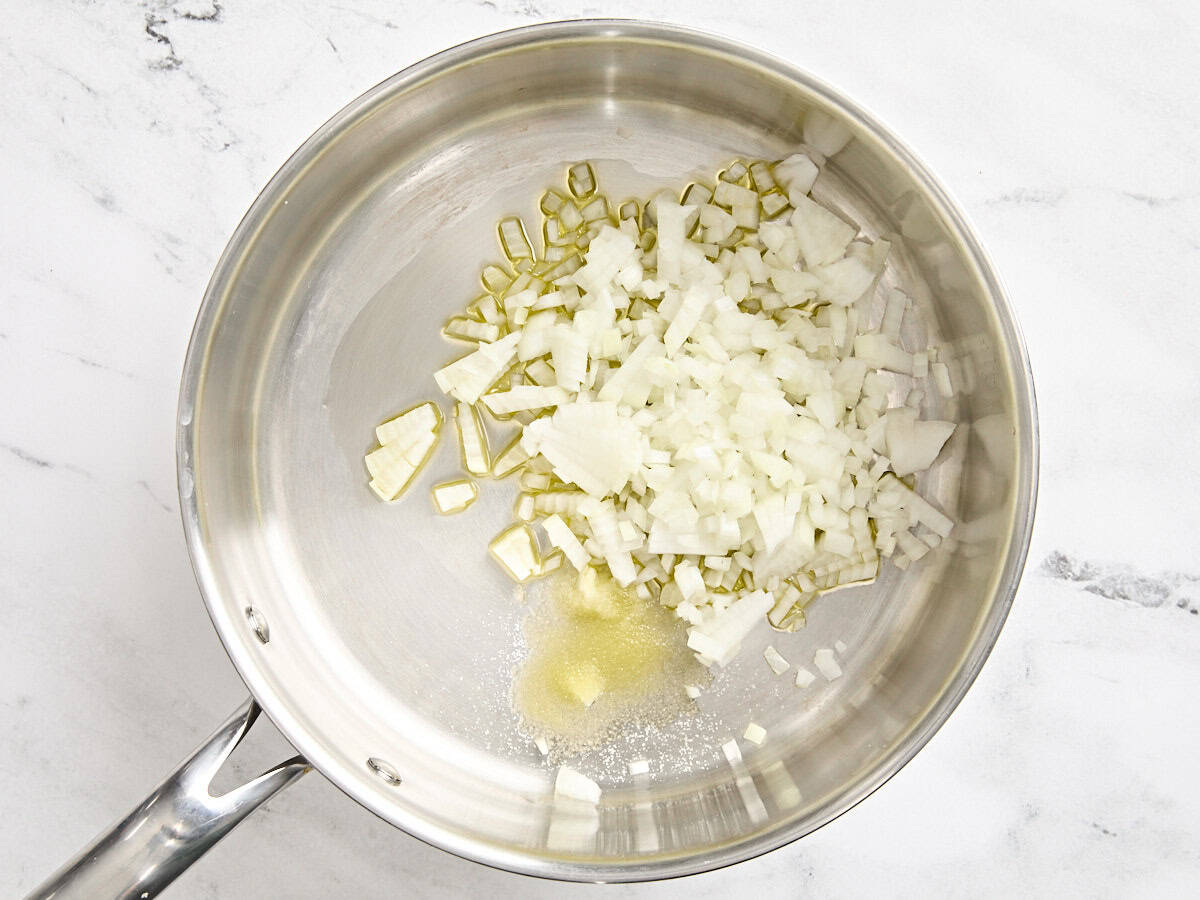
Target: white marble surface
[[134, 135]]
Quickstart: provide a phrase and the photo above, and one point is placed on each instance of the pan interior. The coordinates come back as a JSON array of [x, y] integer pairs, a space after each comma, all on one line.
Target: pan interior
[[392, 636]]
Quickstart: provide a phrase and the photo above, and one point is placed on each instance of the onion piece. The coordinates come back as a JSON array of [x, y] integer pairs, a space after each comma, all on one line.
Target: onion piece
[[775, 660], [495, 280], [469, 330], [797, 174], [510, 459], [590, 445], [523, 397], [454, 496], [755, 733], [513, 240], [424, 417], [718, 640], [394, 465], [821, 235], [639, 767], [913, 444], [879, 351], [467, 378], [516, 551], [826, 664], [574, 785], [472, 439], [561, 537], [687, 578], [581, 181]]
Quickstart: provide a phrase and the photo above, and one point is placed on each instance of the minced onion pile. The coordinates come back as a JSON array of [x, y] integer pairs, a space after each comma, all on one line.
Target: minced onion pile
[[703, 400]]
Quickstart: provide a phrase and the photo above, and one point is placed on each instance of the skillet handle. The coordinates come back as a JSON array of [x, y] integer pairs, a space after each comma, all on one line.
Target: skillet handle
[[174, 826]]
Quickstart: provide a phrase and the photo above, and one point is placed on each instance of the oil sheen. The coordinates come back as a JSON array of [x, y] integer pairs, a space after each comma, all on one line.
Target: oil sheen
[[601, 659]]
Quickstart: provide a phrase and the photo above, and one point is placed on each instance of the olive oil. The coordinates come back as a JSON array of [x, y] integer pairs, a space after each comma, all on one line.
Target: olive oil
[[601, 658]]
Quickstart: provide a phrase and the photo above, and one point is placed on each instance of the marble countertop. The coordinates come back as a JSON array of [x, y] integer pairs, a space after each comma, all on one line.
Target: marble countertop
[[134, 135]]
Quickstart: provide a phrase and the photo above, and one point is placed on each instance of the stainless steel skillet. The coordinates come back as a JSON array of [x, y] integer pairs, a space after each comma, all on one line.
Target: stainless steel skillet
[[380, 639]]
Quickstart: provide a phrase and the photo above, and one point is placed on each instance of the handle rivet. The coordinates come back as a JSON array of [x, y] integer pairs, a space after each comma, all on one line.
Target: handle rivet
[[258, 624], [384, 770]]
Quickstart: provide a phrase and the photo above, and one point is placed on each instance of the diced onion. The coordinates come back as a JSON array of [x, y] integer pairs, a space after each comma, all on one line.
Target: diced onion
[[755, 733], [522, 397], [826, 664], [513, 241], [561, 537], [472, 439], [467, 378], [407, 442], [469, 330], [775, 660], [515, 550], [575, 785], [510, 459], [718, 640], [454, 496], [706, 406], [420, 419]]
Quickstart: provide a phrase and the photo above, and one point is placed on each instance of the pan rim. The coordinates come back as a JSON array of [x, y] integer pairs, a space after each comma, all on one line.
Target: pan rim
[[485, 852]]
